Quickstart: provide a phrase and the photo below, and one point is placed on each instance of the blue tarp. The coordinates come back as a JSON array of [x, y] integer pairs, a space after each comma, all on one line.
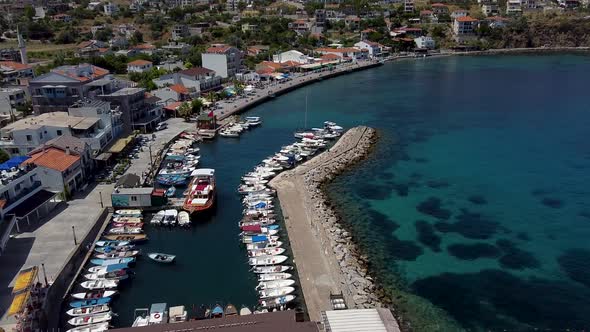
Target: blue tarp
[[260, 205], [259, 238], [13, 162]]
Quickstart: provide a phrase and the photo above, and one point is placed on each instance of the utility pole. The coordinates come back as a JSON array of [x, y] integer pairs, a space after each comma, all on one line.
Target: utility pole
[[74, 232], [151, 159], [45, 273], [101, 204]]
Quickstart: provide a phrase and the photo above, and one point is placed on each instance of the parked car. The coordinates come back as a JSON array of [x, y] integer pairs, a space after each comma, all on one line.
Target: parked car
[[161, 126]]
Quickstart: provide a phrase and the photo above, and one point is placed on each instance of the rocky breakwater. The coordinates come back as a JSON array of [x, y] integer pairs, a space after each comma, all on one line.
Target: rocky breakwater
[[347, 265]]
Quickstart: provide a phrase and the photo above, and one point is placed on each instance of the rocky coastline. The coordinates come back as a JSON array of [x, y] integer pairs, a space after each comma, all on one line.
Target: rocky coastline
[[354, 280]]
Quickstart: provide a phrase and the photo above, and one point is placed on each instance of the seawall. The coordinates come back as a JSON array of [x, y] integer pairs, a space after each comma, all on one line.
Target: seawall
[[327, 260]]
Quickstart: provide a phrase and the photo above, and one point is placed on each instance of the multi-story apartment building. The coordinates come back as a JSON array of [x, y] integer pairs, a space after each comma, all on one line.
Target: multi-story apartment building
[[138, 111], [13, 72], [224, 60], [10, 99]]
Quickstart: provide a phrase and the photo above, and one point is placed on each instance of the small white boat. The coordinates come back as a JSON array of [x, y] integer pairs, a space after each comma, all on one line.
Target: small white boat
[[85, 311], [92, 319], [184, 218], [162, 258], [245, 311], [170, 217], [111, 243], [118, 254], [264, 245], [94, 295], [125, 230], [265, 252], [158, 218], [267, 260], [100, 327], [177, 314], [229, 133], [253, 120], [273, 276], [271, 269], [275, 284], [276, 292], [277, 302], [99, 284], [128, 220], [128, 213]]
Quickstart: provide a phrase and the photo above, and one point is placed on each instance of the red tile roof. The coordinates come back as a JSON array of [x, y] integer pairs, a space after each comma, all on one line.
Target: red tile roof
[[426, 12], [15, 65], [179, 88], [466, 19], [438, 4], [330, 56], [97, 72], [218, 49], [53, 158], [139, 63], [266, 70], [338, 50], [144, 47], [173, 106], [195, 71], [271, 64], [368, 30]]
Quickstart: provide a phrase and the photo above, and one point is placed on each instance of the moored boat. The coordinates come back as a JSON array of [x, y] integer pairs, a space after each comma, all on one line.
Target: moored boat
[[245, 311], [107, 250], [127, 220], [265, 252], [129, 238], [89, 303], [158, 217], [264, 245], [217, 311], [113, 261], [184, 218], [158, 314], [115, 275], [162, 258], [277, 301], [170, 217], [230, 310], [99, 327], [117, 254], [84, 311], [170, 191], [267, 260], [97, 294], [275, 284], [125, 230], [111, 243], [201, 191], [127, 224], [273, 276], [108, 268], [90, 319], [99, 284], [271, 269], [128, 213]]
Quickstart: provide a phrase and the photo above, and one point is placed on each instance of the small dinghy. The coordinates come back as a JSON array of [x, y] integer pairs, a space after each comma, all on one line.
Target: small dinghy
[[85, 311], [265, 252], [128, 213], [89, 303], [184, 219], [108, 268], [115, 275], [162, 258], [273, 276], [264, 245], [118, 254], [105, 262], [98, 294], [126, 230], [108, 250], [158, 218], [112, 243], [99, 284], [271, 269], [267, 260], [134, 238], [91, 319], [276, 292], [100, 327], [275, 284], [170, 217], [230, 310], [245, 311], [277, 301], [217, 311], [170, 191]]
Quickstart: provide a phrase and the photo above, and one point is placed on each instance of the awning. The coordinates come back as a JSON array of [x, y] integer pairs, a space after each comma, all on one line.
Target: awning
[[13, 162], [25, 279], [121, 144], [19, 303], [103, 156]]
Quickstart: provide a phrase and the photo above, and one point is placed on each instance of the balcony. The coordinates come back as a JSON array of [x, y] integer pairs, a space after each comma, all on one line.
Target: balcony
[[22, 195]]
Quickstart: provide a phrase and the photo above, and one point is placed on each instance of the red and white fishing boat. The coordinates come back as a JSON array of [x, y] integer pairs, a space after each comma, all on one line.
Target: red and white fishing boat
[[201, 191]]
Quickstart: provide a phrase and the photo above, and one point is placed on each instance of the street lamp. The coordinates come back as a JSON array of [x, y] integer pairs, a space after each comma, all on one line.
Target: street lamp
[[74, 232]]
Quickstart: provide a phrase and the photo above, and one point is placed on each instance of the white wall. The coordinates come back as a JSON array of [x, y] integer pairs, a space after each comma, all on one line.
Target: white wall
[[215, 62]]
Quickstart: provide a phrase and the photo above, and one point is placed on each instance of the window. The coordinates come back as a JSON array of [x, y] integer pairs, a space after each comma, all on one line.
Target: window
[[59, 133], [40, 135], [29, 138], [134, 198]]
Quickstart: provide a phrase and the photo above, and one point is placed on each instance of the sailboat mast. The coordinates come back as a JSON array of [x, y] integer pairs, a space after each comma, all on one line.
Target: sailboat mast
[[305, 122]]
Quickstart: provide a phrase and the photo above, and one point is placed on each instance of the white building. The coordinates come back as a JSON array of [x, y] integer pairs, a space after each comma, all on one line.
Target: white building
[[375, 49], [425, 42], [232, 5], [292, 55], [17, 184], [464, 25], [139, 66], [10, 99], [110, 9], [199, 78], [408, 6], [225, 60], [490, 9], [12, 72]]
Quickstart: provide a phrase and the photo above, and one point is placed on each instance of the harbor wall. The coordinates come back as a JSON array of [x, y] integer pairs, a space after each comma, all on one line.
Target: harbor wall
[[335, 265], [59, 289]]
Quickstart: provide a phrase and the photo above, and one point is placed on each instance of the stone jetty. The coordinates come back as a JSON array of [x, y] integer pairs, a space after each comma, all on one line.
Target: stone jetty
[[327, 260]]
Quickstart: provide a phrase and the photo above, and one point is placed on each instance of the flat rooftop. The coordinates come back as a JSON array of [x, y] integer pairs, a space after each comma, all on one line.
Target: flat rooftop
[[126, 92], [54, 119]]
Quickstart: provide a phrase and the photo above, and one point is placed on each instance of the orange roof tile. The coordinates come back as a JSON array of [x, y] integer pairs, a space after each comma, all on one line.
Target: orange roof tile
[[466, 19], [438, 4], [139, 63], [218, 49], [173, 106], [330, 56], [15, 65], [271, 64], [266, 70], [179, 88], [338, 50], [144, 47], [53, 158], [291, 63]]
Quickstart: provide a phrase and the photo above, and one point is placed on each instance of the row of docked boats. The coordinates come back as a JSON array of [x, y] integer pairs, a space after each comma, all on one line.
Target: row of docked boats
[[159, 313], [236, 129], [259, 230], [181, 158], [171, 217]]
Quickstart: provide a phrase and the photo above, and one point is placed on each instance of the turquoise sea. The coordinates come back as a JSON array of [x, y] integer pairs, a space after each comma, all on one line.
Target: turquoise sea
[[474, 208]]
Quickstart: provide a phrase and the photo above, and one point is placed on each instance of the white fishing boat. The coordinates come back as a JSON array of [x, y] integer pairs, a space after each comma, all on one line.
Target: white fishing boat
[[85, 311], [117, 254], [158, 218], [271, 269], [170, 217], [128, 220], [229, 133], [254, 239], [264, 245], [184, 218], [276, 292], [277, 302], [99, 284], [100, 327], [260, 222], [91, 319], [111, 243], [273, 276], [125, 230], [263, 285], [253, 120], [128, 213], [265, 252], [267, 260], [94, 294]]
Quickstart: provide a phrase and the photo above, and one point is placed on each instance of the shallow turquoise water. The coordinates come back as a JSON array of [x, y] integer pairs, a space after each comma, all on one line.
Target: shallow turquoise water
[[473, 200]]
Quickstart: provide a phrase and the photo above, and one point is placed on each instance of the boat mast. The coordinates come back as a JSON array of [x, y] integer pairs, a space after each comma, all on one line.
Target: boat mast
[[305, 122]]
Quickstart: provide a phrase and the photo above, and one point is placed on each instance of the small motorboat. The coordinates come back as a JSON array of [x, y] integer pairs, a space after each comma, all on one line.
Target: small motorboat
[[126, 230], [275, 284], [277, 301], [97, 294], [267, 260], [108, 250], [230, 310], [253, 120], [158, 218], [276, 292], [265, 252], [99, 284], [91, 319], [170, 217], [177, 314], [161, 258], [129, 238], [202, 312], [105, 262], [258, 238], [111, 243], [115, 275], [271, 269], [99, 327], [85, 311], [245, 311], [217, 311], [108, 268], [170, 191], [89, 303], [264, 245], [127, 224], [184, 218], [118, 254], [128, 213], [273, 276], [259, 222], [128, 220]]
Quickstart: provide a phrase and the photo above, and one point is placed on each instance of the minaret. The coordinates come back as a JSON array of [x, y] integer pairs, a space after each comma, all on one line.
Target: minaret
[[22, 47]]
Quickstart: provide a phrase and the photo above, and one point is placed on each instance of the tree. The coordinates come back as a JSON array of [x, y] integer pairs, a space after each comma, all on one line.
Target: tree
[[29, 12], [136, 38], [3, 156], [185, 110], [212, 96], [197, 106]]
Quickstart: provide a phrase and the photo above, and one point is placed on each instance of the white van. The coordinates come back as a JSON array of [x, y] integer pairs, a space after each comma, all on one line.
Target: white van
[[161, 125]]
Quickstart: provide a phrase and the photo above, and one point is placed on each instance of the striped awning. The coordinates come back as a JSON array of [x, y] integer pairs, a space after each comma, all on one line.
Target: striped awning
[[19, 303], [25, 279]]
